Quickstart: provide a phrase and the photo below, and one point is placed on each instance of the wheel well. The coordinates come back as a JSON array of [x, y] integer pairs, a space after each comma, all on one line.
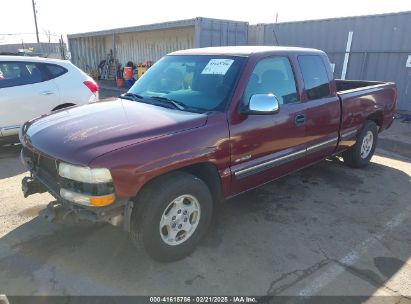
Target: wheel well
[[376, 117], [207, 172], [62, 106]]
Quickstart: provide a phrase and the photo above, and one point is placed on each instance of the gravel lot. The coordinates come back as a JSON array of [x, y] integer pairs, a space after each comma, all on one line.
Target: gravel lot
[[326, 230]]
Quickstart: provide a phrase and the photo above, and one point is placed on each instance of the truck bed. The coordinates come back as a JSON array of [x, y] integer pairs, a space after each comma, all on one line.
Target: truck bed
[[361, 100], [346, 85]]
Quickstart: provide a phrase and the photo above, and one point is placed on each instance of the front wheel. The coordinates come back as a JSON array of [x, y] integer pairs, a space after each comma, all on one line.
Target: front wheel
[[171, 216], [359, 155]]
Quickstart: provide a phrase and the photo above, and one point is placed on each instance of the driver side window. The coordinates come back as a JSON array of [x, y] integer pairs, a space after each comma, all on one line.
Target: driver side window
[[272, 75]]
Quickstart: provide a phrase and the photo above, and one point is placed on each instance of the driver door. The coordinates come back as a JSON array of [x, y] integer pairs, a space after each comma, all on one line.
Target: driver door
[[264, 147]]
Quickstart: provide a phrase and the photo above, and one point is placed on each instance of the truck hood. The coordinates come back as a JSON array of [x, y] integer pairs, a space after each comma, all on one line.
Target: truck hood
[[78, 135]]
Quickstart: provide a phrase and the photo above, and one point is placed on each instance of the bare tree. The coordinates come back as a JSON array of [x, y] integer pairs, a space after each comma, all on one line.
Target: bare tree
[[48, 34]]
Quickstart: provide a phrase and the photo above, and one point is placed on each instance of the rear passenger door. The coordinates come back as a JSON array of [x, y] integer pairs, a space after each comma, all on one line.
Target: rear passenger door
[[322, 107], [26, 92]]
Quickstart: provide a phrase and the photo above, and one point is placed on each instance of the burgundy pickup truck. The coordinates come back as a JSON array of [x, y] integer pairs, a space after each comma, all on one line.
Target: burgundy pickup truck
[[200, 126]]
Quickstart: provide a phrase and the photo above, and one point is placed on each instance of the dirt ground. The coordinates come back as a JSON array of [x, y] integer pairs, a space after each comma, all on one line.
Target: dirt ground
[[326, 230]]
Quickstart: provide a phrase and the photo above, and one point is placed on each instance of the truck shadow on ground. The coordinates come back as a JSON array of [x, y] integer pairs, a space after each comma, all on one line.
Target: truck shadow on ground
[[101, 260]]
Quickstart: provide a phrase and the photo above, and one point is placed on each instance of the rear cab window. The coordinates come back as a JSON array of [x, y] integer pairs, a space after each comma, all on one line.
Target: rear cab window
[[316, 82]]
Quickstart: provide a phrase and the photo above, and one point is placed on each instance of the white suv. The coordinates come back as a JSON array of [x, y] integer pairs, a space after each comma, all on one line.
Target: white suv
[[33, 86]]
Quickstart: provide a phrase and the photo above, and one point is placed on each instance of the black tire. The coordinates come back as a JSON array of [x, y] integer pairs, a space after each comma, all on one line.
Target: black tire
[[352, 157], [149, 208]]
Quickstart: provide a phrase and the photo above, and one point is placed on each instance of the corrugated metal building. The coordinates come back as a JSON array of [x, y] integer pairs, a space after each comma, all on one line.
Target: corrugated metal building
[[151, 42], [380, 46]]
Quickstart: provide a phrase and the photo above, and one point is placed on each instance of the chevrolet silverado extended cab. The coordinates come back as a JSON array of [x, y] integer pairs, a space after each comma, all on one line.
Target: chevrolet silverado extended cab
[[200, 126]]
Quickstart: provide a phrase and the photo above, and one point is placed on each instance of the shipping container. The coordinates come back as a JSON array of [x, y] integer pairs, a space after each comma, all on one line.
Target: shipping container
[[150, 42], [378, 49]]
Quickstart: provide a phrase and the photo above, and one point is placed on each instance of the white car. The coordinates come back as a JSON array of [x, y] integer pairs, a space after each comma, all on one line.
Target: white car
[[33, 86]]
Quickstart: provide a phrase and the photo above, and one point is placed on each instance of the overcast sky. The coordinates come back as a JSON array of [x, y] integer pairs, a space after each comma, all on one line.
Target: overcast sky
[[76, 16]]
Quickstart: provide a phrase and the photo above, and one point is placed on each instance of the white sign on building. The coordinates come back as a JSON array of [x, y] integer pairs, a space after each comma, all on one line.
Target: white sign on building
[[408, 64]]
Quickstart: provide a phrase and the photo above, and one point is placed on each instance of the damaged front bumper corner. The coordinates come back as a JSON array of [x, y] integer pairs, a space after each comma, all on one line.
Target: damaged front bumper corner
[[62, 211]]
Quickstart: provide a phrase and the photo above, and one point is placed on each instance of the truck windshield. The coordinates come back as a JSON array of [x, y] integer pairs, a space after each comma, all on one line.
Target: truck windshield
[[198, 83]]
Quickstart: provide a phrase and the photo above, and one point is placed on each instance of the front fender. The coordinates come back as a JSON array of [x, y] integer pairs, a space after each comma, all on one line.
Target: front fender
[[133, 166]]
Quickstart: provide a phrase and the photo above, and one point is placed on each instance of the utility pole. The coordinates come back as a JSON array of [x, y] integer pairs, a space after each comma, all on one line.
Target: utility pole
[[35, 20], [62, 48]]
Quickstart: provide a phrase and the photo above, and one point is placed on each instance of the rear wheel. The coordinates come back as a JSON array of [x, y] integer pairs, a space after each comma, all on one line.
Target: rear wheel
[[171, 216], [359, 155]]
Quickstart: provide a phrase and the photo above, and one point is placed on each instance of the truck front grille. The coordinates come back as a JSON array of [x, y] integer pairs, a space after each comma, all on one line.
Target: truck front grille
[[44, 168]]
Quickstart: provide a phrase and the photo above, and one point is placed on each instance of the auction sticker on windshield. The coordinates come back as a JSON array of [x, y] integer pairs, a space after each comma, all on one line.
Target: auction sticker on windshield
[[217, 66]]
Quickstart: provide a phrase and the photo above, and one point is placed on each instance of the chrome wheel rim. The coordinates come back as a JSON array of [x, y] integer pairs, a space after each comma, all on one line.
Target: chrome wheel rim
[[367, 144], [180, 219]]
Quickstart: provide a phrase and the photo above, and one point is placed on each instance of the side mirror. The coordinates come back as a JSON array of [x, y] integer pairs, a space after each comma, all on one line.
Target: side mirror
[[263, 104]]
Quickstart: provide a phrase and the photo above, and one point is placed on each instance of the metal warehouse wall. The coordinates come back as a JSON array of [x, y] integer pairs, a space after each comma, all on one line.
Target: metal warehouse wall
[[43, 48], [379, 50], [216, 32]]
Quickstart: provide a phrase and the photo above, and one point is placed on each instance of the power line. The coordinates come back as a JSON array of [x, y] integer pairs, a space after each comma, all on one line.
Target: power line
[[9, 34], [16, 34]]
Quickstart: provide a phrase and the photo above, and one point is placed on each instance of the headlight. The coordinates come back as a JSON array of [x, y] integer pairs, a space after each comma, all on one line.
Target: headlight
[[85, 174]]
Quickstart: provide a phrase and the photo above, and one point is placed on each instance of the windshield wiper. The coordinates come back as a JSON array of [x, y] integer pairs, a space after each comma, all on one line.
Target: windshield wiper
[[132, 96], [176, 104]]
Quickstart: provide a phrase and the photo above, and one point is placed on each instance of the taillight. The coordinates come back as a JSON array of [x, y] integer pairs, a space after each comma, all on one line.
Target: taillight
[[92, 85]]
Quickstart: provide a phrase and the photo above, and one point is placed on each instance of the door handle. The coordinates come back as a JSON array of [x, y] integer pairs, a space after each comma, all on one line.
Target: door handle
[[299, 120], [47, 93]]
